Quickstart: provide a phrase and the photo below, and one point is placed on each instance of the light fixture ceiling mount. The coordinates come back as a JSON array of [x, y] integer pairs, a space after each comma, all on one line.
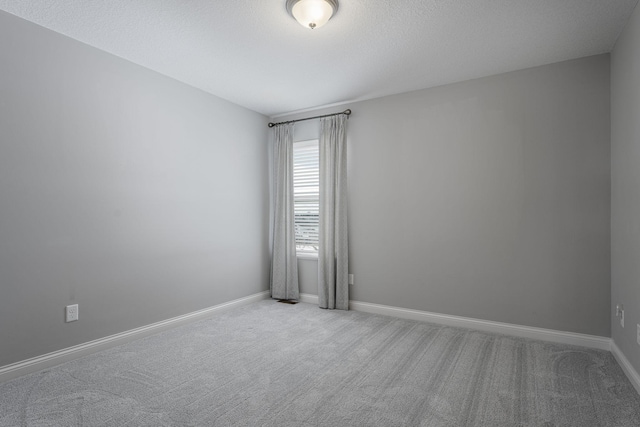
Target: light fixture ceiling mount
[[312, 13]]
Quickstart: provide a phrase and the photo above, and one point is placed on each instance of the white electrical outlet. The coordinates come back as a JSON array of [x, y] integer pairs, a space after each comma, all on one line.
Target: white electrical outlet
[[638, 334], [622, 317], [71, 313], [351, 279]]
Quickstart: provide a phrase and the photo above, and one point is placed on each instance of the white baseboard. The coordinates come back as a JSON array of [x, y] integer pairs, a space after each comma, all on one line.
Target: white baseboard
[[17, 369], [626, 366], [309, 298], [590, 341], [55, 358]]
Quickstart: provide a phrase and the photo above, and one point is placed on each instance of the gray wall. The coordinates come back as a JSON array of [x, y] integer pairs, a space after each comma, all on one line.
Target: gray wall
[[488, 198], [625, 187], [129, 193]]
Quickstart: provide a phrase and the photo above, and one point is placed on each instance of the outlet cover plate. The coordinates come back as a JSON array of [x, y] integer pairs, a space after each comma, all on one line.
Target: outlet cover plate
[[71, 313]]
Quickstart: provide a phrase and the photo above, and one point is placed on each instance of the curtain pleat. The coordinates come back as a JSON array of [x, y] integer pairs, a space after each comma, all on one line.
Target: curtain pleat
[[333, 253], [284, 263]]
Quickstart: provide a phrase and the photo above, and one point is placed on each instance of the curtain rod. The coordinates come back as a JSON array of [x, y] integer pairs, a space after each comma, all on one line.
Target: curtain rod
[[345, 112]]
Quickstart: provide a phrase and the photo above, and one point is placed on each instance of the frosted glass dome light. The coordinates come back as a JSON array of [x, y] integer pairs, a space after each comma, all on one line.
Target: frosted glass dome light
[[312, 13]]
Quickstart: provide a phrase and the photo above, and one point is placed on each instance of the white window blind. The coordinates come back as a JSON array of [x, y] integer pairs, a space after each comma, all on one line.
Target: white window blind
[[306, 190]]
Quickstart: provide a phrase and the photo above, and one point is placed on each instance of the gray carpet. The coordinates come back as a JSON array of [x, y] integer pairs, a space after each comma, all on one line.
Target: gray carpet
[[271, 364]]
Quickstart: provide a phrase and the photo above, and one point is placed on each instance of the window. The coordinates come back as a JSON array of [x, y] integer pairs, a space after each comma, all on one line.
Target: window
[[306, 195]]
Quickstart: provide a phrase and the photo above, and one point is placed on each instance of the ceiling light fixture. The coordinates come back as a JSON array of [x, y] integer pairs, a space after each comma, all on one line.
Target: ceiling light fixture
[[312, 13]]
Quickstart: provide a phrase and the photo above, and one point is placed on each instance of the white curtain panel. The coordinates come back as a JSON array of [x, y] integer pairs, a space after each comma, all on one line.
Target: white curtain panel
[[284, 263], [333, 258]]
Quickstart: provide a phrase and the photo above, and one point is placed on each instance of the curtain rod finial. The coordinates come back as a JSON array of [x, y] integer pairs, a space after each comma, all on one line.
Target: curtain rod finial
[[271, 125]]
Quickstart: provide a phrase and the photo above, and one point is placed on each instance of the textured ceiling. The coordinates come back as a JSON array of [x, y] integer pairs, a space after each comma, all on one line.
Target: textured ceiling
[[253, 53]]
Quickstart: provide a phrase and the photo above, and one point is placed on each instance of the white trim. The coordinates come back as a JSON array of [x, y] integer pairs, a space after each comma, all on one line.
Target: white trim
[[626, 366], [309, 298], [17, 369], [572, 338]]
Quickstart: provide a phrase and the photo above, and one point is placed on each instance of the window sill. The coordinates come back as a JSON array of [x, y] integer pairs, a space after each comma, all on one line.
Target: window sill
[[307, 255]]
